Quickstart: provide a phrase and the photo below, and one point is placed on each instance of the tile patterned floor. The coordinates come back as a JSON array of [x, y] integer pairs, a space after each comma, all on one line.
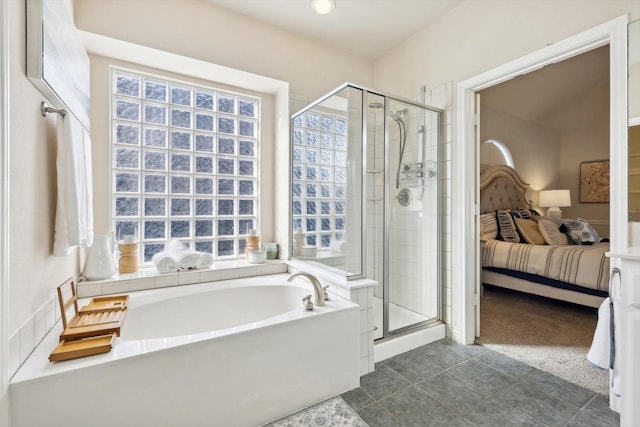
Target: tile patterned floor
[[448, 384]]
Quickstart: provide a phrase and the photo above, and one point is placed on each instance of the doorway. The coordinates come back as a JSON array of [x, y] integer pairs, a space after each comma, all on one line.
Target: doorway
[[614, 33]]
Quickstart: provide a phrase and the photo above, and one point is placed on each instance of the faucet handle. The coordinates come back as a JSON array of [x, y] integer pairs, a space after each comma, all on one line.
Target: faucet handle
[[326, 292], [308, 305]]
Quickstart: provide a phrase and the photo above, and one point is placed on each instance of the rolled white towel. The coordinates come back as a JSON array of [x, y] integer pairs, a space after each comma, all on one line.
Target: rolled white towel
[[185, 257], [164, 263], [205, 260]]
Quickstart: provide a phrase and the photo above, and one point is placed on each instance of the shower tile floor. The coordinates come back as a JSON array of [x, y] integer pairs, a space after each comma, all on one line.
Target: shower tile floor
[[449, 384]]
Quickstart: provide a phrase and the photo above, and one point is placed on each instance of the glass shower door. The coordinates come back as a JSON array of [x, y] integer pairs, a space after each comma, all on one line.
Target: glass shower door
[[412, 154]]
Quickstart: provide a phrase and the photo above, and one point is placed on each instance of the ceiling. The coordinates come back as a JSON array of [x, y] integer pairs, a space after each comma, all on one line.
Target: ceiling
[[365, 28], [540, 95]]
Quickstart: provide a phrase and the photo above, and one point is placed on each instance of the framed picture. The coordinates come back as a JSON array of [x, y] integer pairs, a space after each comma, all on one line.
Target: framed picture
[[57, 62], [594, 182]]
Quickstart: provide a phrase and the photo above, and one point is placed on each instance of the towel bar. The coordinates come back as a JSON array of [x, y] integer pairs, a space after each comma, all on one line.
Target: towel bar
[[45, 110]]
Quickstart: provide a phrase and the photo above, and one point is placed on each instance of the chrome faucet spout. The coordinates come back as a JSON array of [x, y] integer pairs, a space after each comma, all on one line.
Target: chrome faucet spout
[[318, 291]]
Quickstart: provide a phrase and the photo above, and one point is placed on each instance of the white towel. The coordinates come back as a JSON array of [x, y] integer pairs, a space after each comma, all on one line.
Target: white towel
[[603, 349], [164, 263], [185, 257], [205, 260], [74, 207]]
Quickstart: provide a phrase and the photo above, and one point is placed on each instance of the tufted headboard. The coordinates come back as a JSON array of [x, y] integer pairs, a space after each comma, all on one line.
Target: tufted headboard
[[502, 188]]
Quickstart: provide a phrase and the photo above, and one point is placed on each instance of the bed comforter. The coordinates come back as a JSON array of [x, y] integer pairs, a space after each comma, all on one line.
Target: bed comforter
[[585, 266]]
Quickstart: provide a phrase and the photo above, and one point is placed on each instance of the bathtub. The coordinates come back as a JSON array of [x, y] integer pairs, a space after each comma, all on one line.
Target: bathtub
[[239, 352]]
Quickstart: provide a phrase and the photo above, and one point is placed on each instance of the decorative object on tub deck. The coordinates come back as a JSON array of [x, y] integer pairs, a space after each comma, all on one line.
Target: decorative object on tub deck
[[253, 241], [257, 257], [99, 263], [74, 207], [93, 328], [272, 250], [128, 262], [298, 238]]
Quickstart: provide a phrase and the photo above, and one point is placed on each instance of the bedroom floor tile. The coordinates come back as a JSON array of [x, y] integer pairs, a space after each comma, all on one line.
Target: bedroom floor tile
[[471, 386]]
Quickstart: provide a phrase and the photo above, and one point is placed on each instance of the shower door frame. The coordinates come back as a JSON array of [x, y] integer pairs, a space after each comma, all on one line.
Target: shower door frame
[[386, 276]]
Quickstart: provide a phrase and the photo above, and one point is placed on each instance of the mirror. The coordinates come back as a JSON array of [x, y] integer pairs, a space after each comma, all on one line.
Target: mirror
[[634, 120]]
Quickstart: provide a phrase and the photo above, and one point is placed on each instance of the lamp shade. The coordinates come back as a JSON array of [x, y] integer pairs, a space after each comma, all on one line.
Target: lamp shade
[[555, 198]]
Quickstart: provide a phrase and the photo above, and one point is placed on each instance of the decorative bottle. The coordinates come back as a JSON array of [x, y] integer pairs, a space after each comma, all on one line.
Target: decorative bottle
[[253, 241]]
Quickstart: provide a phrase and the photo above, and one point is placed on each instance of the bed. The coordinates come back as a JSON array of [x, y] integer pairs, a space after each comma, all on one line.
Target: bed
[[525, 262]]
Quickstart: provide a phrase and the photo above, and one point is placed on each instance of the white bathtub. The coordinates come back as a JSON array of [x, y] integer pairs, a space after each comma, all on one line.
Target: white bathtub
[[231, 353]]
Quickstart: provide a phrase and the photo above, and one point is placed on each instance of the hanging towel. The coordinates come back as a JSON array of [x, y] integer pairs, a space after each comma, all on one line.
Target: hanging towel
[[74, 207], [603, 349], [164, 263]]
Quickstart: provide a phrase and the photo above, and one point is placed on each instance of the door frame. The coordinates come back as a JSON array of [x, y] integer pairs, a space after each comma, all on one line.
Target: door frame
[[4, 214], [466, 245]]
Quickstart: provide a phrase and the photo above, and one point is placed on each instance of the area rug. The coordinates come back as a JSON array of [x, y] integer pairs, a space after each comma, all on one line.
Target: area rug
[[331, 413], [549, 335]]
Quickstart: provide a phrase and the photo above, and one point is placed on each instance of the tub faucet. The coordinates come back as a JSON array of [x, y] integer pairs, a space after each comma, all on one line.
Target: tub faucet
[[317, 287]]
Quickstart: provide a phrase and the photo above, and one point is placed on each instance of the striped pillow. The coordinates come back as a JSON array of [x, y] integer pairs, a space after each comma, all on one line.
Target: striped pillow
[[506, 227], [488, 226], [524, 213], [550, 230]]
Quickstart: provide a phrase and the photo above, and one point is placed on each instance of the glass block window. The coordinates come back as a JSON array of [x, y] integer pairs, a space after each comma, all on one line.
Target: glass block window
[[184, 164], [319, 155]]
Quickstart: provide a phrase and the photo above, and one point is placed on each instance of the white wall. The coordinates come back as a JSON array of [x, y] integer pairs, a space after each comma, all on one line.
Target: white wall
[[34, 273], [201, 30], [477, 36]]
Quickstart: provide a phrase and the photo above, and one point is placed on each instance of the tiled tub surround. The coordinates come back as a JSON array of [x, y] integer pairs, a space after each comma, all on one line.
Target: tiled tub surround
[[34, 329], [193, 376], [361, 292]]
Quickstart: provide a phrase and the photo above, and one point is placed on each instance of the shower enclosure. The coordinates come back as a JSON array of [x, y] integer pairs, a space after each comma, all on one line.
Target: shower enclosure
[[365, 199]]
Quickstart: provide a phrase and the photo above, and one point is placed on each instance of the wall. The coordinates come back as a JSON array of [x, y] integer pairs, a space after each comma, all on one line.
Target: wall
[[586, 140], [535, 148], [201, 30], [34, 272]]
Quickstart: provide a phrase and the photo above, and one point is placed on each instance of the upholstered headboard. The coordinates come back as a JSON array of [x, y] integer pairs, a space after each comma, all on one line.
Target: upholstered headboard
[[502, 188]]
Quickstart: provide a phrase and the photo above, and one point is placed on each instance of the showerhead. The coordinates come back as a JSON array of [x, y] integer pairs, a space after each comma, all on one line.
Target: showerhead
[[396, 116]]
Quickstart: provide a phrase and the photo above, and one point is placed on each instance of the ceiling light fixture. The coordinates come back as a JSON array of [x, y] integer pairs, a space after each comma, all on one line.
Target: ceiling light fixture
[[323, 7]]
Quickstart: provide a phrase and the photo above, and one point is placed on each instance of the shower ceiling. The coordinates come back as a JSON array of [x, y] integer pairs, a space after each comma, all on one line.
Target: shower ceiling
[[366, 28]]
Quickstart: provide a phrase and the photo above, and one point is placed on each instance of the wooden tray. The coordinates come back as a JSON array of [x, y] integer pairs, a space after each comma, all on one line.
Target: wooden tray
[[84, 325], [108, 303], [66, 350]]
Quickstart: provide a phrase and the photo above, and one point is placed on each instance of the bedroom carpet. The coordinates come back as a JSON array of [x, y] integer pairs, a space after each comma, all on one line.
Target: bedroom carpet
[[550, 335]]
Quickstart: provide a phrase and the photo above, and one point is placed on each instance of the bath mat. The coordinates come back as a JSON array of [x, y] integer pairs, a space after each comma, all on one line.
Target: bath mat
[[331, 413]]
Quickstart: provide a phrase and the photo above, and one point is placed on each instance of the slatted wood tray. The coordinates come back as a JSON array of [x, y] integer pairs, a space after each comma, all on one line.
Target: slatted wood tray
[[92, 329], [66, 350], [108, 303]]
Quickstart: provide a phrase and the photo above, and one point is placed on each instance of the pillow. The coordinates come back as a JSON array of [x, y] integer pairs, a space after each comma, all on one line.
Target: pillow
[[528, 229], [488, 226], [550, 230], [524, 213], [506, 227], [580, 231]]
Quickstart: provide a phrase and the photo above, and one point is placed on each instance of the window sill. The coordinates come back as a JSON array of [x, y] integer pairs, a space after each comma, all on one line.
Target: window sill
[[149, 278]]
